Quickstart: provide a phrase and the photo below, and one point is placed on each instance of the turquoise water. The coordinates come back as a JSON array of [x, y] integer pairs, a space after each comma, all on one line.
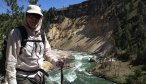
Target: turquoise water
[[77, 74]]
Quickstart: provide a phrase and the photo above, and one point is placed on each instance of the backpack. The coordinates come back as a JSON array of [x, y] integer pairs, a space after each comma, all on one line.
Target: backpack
[[24, 40]]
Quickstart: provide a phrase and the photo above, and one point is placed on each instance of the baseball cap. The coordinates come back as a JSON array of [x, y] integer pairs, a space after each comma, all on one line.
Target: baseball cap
[[34, 9]]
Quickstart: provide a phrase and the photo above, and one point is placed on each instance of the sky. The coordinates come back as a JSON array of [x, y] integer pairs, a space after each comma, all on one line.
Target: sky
[[45, 4]]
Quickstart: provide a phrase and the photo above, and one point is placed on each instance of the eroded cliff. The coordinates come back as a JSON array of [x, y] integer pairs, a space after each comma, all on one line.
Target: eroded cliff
[[91, 34]]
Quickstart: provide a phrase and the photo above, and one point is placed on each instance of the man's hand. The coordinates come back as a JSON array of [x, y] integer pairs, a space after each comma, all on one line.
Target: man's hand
[[60, 63]]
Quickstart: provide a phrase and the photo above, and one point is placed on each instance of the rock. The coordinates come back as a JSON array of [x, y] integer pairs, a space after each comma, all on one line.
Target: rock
[[92, 60], [62, 54], [48, 66]]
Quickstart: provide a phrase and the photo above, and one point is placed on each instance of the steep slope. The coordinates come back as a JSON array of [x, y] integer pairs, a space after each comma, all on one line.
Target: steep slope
[[86, 33]]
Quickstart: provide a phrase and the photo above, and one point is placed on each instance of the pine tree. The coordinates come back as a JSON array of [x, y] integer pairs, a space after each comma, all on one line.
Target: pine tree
[[140, 31], [33, 1]]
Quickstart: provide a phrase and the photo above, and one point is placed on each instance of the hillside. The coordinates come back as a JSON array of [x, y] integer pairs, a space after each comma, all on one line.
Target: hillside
[[88, 27], [82, 34], [114, 29], [82, 30]]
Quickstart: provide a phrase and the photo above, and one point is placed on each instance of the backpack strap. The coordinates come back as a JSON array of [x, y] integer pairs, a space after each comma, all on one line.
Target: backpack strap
[[42, 36], [24, 37]]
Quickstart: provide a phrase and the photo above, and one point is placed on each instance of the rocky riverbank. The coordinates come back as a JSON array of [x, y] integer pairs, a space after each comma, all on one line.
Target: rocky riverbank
[[116, 71]]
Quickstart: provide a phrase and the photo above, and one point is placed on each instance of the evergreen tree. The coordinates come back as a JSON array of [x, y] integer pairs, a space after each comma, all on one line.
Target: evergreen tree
[[33, 1], [129, 32], [140, 31], [51, 14], [14, 8]]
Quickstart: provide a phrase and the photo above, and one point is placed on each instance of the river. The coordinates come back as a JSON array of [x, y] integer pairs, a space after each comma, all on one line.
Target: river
[[77, 74]]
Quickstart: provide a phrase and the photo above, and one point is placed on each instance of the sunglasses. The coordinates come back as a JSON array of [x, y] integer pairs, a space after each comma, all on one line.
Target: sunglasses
[[33, 15]]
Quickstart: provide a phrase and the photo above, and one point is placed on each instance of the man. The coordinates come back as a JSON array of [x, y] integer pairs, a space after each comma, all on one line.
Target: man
[[26, 67]]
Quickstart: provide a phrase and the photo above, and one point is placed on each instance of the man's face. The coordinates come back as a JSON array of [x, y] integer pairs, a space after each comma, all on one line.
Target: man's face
[[33, 20]]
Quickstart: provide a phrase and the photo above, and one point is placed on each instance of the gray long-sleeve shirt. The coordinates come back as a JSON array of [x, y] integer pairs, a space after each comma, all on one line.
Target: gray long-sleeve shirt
[[32, 55]]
